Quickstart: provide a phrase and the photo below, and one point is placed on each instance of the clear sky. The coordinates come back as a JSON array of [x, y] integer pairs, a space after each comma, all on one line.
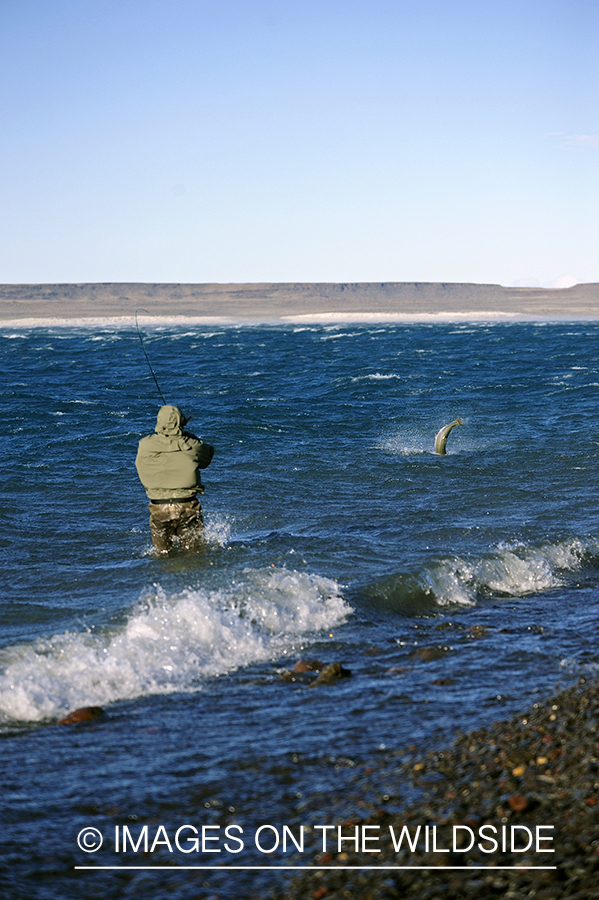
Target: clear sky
[[299, 140]]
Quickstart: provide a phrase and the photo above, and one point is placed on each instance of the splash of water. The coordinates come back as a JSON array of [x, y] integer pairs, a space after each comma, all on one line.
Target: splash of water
[[511, 570], [169, 643]]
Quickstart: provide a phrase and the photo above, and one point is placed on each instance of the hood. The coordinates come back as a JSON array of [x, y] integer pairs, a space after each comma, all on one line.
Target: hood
[[170, 421]]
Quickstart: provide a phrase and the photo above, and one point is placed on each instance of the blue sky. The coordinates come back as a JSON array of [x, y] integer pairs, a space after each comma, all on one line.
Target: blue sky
[[334, 140]]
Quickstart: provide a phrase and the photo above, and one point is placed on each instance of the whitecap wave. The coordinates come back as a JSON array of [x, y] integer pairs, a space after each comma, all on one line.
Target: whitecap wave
[[377, 376], [513, 570], [169, 643], [510, 570]]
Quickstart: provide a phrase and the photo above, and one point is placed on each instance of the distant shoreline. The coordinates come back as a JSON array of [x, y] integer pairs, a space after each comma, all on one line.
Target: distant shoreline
[[115, 304], [158, 321]]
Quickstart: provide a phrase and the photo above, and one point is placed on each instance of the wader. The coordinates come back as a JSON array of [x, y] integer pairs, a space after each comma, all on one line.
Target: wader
[[176, 523]]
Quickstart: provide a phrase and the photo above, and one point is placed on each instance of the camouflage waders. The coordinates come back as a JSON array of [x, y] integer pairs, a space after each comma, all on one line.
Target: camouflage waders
[[177, 523]]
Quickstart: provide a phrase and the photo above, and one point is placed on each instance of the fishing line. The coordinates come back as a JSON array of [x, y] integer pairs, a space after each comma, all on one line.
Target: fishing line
[[137, 311]]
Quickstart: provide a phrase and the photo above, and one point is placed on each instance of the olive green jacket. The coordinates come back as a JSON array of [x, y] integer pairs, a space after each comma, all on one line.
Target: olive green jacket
[[169, 460]]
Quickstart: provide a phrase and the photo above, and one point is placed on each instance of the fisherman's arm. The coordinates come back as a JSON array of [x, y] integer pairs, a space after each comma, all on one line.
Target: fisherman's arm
[[202, 452], [205, 454]]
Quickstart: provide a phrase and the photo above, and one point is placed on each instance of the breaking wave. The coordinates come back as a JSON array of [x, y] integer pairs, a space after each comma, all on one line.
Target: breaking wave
[[168, 643], [512, 570]]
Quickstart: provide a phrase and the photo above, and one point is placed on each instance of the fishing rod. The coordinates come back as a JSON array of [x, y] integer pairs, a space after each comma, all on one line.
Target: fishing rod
[[137, 311]]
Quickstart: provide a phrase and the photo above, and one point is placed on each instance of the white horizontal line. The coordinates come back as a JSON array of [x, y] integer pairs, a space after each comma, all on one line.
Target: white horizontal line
[[320, 868]]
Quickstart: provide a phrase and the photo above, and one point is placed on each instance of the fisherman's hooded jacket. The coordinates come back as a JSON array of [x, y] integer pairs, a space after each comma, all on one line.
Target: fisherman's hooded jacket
[[169, 460]]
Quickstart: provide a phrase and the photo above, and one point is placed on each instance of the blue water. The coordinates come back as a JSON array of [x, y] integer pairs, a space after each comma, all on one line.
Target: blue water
[[456, 589]]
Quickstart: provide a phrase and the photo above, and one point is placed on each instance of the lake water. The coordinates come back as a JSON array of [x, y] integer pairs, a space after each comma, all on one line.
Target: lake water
[[455, 588]]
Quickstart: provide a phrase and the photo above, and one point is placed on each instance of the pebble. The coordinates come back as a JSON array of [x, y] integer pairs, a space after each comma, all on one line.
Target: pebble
[[332, 672], [308, 665], [85, 714], [538, 768]]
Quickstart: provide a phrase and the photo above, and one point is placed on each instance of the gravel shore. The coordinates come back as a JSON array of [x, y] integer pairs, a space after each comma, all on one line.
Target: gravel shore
[[534, 777]]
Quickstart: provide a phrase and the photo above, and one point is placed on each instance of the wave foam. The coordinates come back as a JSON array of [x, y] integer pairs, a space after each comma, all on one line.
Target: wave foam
[[168, 644], [513, 570]]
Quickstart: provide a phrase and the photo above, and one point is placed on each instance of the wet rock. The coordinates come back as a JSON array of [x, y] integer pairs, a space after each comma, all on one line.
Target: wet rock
[[477, 631], [303, 671], [286, 675], [332, 672], [85, 714], [427, 654], [518, 802], [308, 665]]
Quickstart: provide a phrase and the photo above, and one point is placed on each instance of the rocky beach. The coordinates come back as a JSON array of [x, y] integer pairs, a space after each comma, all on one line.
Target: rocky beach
[[536, 774]]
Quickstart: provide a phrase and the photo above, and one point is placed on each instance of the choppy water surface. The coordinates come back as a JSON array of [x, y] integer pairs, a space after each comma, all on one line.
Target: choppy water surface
[[454, 588]]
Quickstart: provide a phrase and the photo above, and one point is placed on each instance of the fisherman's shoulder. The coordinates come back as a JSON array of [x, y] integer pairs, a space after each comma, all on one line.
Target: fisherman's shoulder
[[151, 443], [193, 440]]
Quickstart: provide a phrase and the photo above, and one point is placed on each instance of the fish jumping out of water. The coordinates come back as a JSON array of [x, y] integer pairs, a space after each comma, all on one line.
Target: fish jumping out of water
[[443, 434]]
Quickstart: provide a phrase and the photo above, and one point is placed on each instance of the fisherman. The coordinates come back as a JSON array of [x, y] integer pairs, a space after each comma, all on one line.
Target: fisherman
[[168, 464]]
